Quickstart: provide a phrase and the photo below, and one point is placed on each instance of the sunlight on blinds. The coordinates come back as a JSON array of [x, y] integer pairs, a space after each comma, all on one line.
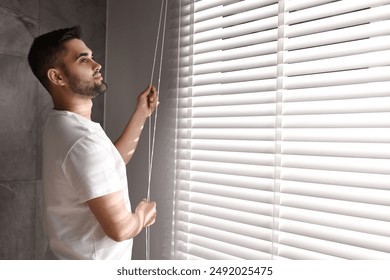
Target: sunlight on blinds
[[334, 196], [283, 130], [226, 133]]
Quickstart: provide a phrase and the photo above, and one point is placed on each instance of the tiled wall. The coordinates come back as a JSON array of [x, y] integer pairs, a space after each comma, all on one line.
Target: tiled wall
[[23, 108]]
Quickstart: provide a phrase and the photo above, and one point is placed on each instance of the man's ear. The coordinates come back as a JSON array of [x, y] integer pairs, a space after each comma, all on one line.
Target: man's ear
[[55, 76]]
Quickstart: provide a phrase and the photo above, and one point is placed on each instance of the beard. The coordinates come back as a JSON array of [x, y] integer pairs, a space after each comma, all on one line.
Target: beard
[[85, 88]]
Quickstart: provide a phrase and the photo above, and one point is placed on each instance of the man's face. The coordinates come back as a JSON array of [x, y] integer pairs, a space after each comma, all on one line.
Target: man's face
[[81, 72]]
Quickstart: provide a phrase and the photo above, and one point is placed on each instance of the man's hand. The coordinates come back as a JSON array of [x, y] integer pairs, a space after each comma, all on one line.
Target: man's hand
[[147, 101], [147, 210]]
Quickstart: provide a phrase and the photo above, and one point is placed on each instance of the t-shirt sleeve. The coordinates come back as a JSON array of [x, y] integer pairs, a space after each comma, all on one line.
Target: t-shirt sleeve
[[91, 169]]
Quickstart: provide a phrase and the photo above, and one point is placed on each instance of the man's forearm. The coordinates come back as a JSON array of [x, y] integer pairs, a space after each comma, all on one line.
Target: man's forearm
[[127, 142]]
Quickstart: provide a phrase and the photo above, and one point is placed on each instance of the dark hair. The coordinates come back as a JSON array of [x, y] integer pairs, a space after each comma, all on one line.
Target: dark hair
[[46, 51]]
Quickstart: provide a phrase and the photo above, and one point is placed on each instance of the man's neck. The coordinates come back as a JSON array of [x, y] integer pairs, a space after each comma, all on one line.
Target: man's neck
[[80, 106]]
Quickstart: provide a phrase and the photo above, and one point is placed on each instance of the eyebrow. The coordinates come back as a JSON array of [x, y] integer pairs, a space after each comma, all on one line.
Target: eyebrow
[[83, 54]]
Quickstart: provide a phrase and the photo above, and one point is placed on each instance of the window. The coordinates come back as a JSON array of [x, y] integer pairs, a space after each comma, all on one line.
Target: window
[[283, 130]]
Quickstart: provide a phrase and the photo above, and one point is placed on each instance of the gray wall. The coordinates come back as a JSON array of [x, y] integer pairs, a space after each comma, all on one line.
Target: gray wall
[[23, 108], [131, 38]]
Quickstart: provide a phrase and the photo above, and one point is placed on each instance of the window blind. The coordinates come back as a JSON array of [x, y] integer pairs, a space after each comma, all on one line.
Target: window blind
[[282, 142], [226, 124], [333, 195]]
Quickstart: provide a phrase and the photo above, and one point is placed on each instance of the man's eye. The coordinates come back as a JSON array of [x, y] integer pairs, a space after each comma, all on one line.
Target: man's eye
[[83, 60]]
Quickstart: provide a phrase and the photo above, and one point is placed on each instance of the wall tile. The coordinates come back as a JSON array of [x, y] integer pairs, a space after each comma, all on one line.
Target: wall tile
[[45, 105], [18, 30], [40, 238], [29, 8], [18, 91], [17, 219]]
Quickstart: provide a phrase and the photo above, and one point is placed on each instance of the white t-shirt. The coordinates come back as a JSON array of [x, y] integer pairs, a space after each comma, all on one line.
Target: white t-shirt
[[80, 163]]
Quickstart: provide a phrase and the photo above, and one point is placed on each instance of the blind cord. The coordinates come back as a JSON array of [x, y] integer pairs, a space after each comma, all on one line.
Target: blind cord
[[152, 137]]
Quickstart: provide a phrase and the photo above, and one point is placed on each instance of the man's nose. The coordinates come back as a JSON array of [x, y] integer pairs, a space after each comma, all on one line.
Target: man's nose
[[96, 67]]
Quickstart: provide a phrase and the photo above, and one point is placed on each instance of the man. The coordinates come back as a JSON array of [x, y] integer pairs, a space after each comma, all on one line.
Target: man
[[87, 213]]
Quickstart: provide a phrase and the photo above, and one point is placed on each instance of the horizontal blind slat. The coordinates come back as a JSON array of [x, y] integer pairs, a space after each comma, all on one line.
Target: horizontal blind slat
[[235, 76], [201, 253], [295, 253], [236, 30], [328, 248], [235, 88], [237, 18], [198, 245], [229, 180], [336, 206], [236, 42], [218, 9], [250, 170], [337, 119], [350, 223], [208, 4], [338, 92], [233, 111], [323, 9], [261, 196], [231, 99], [232, 157], [236, 64], [351, 107], [197, 200], [360, 165], [232, 134], [337, 192], [351, 135], [263, 220], [338, 36], [337, 21], [303, 4], [341, 178], [376, 74], [239, 243], [361, 150], [232, 122], [228, 227], [352, 62], [256, 146], [235, 53], [349, 48], [359, 240]]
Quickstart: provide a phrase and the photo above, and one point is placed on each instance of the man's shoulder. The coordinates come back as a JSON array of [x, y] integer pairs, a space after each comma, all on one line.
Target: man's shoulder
[[63, 129], [70, 123]]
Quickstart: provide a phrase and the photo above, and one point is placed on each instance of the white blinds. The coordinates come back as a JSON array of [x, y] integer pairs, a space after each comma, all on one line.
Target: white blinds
[[283, 132], [226, 131], [333, 195]]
